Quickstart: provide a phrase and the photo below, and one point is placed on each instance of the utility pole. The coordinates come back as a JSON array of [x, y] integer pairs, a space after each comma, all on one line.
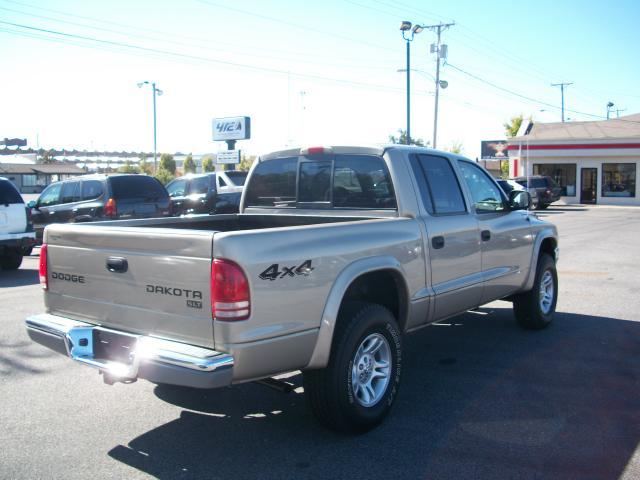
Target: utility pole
[[618, 110], [562, 85], [441, 52]]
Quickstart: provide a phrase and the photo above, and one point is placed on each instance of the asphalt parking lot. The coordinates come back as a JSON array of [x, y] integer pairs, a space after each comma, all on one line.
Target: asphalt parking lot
[[480, 397]]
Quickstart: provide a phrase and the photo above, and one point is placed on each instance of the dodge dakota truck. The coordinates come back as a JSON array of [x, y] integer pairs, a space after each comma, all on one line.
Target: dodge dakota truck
[[336, 254]]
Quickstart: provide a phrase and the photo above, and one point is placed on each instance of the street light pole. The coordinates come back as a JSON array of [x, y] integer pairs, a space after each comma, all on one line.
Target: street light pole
[[154, 91], [405, 27]]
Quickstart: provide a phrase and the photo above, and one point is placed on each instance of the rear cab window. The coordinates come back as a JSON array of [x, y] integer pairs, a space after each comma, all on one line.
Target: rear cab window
[[136, 186], [8, 193], [438, 184], [238, 178], [322, 181]]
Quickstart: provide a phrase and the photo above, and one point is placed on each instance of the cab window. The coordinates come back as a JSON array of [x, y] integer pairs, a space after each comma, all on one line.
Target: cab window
[[484, 192], [177, 188], [441, 193], [50, 196], [71, 192], [91, 189]]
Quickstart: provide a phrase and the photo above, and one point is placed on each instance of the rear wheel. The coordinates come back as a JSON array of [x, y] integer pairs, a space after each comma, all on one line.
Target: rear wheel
[[534, 309], [357, 388], [11, 260]]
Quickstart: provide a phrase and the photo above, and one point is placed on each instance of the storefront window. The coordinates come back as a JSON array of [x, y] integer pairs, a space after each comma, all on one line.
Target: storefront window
[[564, 174], [618, 179]]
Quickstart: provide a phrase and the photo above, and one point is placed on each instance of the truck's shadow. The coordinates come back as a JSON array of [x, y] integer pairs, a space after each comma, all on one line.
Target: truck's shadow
[[480, 399], [18, 278]]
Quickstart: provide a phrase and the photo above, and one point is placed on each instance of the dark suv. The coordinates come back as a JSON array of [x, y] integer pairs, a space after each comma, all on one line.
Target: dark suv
[[548, 191], [203, 194], [99, 197]]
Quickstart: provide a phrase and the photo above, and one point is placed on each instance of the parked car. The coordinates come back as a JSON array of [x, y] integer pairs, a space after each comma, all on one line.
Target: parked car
[[16, 230], [99, 197], [548, 191], [205, 193], [510, 185]]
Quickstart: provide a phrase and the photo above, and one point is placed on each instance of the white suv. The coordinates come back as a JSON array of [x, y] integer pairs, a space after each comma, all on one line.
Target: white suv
[[16, 230]]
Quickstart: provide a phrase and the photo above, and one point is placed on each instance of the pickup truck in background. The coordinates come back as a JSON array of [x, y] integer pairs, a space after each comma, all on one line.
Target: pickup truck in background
[[17, 236], [205, 193], [336, 254]]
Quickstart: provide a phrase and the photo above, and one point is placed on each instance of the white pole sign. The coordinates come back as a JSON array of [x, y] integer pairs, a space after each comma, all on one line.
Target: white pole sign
[[228, 156], [232, 128]]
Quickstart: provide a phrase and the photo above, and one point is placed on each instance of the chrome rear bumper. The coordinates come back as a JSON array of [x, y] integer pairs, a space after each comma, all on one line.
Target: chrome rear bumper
[[140, 356]]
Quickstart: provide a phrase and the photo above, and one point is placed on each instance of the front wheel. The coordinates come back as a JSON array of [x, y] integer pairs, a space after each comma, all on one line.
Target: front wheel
[[356, 390], [534, 309]]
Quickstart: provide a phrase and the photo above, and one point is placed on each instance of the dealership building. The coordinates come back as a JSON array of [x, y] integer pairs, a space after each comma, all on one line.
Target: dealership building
[[594, 162]]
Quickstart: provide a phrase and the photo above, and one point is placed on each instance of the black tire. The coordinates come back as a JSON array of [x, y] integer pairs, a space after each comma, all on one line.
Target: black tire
[[330, 391], [543, 206], [27, 251], [11, 260], [528, 308]]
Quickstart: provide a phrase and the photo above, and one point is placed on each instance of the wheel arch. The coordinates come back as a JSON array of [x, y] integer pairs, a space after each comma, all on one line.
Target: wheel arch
[[363, 280], [546, 243]]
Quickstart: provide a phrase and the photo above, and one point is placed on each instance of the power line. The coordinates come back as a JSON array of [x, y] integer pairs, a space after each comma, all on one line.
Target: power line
[[204, 43], [298, 26], [511, 92], [197, 57]]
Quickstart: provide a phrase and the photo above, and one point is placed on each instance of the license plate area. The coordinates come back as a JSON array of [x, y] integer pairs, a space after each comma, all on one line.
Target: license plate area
[[113, 346], [110, 351]]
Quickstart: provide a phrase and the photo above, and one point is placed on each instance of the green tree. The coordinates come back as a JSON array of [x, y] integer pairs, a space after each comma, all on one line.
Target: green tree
[[245, 164], [512, 126], [46, 157], [208, 165], [455, 147], [401, 139], [128, 167], [167, 163], [189, 166], [144, 165], [164, 175]]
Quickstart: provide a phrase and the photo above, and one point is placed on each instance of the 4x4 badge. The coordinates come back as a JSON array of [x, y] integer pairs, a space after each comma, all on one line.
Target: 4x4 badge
[[274, 272]]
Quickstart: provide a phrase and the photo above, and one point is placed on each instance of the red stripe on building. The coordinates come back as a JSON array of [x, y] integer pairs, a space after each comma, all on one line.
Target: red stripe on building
[[574, 146]]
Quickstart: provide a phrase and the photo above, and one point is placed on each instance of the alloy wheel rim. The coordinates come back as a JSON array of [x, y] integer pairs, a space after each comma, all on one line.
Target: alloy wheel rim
[[547, 291], [371, 370]]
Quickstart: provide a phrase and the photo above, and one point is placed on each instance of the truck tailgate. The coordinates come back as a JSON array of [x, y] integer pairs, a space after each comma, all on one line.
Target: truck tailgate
[[142, 280]]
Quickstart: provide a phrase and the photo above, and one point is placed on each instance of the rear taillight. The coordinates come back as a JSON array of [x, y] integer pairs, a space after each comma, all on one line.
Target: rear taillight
[[230, 299], [110, 209], [44, 278]]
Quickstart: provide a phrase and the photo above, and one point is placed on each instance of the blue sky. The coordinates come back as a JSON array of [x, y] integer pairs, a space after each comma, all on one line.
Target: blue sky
[[306, 72]]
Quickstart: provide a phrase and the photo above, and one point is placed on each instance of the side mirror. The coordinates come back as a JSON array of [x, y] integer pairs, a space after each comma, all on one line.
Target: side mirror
[[519, 200], [32, 204]]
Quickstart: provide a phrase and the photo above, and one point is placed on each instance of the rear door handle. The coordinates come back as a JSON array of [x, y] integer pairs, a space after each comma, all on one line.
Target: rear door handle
[[485, 235], [117, 264], [437, 242]]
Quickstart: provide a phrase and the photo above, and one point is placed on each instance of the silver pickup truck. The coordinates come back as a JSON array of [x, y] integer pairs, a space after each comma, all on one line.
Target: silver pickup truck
[[336, 254]]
